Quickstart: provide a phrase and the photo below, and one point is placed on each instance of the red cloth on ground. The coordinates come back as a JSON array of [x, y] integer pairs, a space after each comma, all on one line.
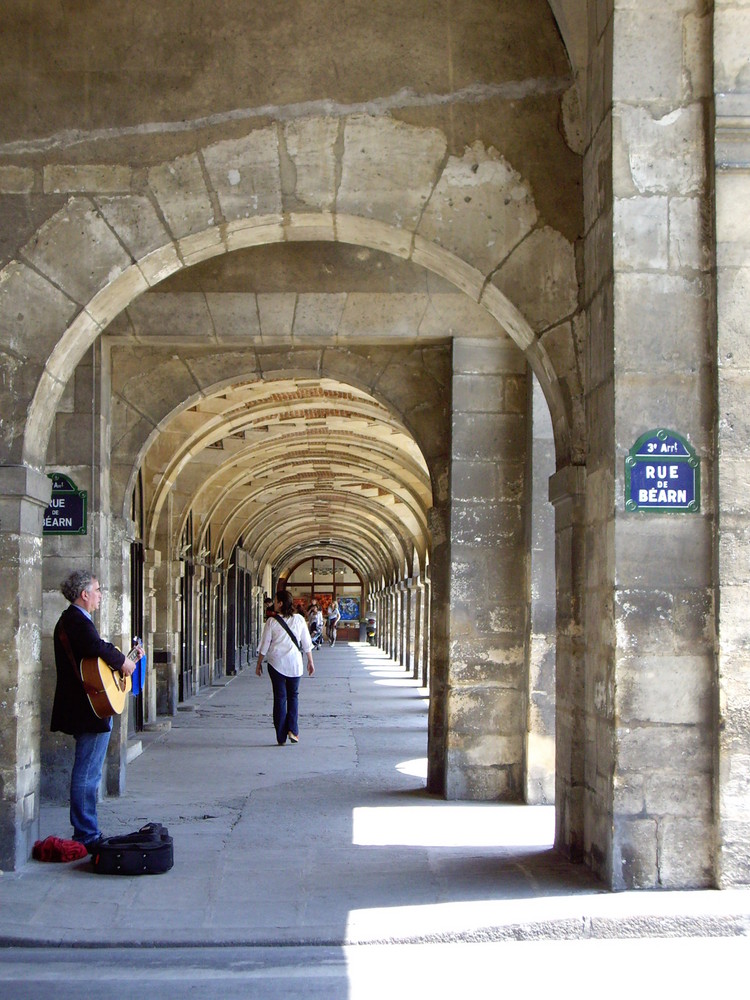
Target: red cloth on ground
[[57, 849]]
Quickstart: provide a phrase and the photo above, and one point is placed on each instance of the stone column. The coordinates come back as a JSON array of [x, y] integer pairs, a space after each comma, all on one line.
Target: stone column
[[567, 494], [392, 621], [24, 494], [488, 600], [417, 628], [732, 158], [540, 740], [426, 632], [650, 633]]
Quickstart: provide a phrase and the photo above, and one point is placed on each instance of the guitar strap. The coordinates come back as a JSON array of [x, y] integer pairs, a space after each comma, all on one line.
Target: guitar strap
[[289, 632]]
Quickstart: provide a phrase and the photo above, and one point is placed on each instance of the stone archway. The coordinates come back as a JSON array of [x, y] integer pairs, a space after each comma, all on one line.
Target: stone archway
[[98, 254]]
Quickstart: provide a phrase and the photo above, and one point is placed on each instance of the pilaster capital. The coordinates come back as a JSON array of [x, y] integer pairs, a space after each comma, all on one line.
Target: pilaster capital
[[568, 483], [23, 482]]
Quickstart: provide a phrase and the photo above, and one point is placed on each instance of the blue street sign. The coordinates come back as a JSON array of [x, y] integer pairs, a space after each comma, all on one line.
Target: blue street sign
[[66, 514], [662, 474]]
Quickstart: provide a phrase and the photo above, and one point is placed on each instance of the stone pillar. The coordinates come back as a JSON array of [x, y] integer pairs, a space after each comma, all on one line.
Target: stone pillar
[[392, 621], [426, 631], [650, 632], [417, 595], [24, 494], [540, 739], [488, 599], [114, 571], [440, 568], [567, 494], [732, 158]]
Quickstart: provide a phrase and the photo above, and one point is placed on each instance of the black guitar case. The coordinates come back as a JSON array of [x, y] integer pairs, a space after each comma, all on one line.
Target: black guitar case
[[148, 851]]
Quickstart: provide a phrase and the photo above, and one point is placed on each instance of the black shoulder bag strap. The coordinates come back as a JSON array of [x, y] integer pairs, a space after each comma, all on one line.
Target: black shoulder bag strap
[[289, 632]]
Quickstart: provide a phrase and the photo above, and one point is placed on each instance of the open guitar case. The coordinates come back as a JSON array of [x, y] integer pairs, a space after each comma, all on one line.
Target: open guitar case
[[148, 851]]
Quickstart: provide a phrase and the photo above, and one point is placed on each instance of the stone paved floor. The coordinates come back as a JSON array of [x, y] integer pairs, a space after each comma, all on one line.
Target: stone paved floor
[[333, 841]]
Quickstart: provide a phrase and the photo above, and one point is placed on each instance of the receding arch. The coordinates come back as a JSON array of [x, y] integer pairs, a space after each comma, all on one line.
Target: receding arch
[[146, 271]]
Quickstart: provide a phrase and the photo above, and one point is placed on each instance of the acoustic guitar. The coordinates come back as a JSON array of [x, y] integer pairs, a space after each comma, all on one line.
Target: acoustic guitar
[[107, 689]]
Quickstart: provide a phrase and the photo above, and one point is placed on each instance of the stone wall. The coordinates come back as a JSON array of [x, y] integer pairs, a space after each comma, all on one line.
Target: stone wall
[[732, 156]]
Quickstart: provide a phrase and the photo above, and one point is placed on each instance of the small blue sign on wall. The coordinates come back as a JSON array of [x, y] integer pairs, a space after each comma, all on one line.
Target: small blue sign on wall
[[662, 474], [66, 514]]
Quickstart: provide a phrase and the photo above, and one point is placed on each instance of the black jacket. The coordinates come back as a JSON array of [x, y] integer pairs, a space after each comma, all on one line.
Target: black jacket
[[71, 711]]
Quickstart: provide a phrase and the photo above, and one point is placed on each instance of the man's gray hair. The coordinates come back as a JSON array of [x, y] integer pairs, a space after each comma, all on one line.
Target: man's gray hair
[[78, 581]]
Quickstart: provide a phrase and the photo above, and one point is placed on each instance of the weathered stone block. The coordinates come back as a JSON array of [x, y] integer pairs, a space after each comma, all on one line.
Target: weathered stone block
[[136, 222], [676, 307], [276, 312], [665, 689], [55, 250], [182, 195], [732, 208], [481, 784], [234, 316], [665, 153], [378, 317], [482, 436], [734, 319], [699, 53], [659, 77], [116, 296], [641, 233], [734, 861], [639, 747], [33, 311], [690, 237], [540, 278], [487, 357], [731, 31], [685, 856], [480, 209], [16, 180], [473, 393], [318, 316], [473, 479], [490, 709], [245, 174], [171, 314], [455, 315], [388, 169], [635, 862], [98, 178], [488, 523], [310, 145], [643, 620], [665, 794]]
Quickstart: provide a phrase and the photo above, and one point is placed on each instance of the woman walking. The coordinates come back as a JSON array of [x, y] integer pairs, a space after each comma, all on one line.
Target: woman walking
[[285, 640]]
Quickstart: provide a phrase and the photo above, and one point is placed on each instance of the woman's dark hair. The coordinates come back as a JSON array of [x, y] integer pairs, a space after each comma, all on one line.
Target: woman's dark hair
[[287, 603]]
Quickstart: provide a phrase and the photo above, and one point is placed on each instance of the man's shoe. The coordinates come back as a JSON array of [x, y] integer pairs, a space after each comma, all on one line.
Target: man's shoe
[[293, 738]]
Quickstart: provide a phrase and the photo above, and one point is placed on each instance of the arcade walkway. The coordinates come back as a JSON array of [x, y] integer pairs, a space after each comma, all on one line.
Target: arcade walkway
[[332, 841]]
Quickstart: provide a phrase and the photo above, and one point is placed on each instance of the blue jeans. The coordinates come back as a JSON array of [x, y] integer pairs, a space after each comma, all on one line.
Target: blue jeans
[[285, 704], [91, 749]]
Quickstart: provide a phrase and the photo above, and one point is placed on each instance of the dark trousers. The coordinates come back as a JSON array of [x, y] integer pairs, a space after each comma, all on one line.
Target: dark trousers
[[285, 704]]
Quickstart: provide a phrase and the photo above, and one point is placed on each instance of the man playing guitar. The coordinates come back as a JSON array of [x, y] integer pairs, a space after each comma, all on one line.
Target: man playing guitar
[[77, 638]]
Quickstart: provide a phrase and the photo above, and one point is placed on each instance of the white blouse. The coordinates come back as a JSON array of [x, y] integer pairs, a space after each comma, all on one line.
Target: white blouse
[[278, 649]]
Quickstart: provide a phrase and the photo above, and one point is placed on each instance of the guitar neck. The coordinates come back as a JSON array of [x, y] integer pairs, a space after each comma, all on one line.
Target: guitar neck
[[134, 656]]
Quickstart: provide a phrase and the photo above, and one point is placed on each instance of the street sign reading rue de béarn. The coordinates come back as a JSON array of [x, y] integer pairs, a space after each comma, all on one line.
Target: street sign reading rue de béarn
[[662, 474], [66, 514]]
